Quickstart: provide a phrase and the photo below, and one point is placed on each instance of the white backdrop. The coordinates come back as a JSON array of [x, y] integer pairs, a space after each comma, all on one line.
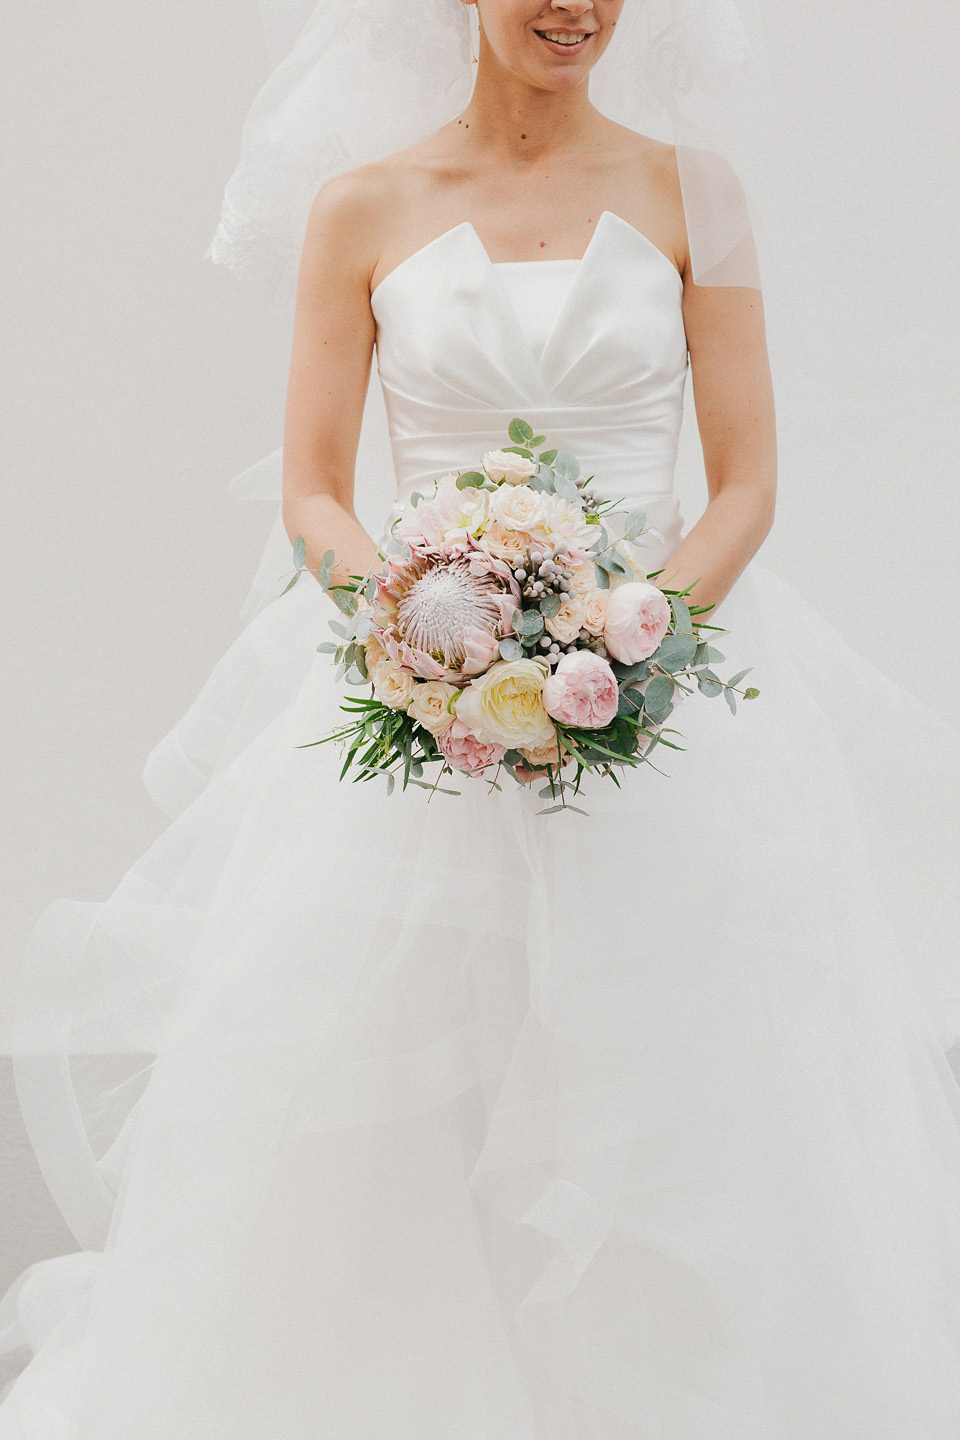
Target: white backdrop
[[139, 380]]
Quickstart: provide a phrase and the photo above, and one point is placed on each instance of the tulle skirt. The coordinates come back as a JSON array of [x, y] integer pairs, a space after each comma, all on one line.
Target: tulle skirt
[[436, 1118]]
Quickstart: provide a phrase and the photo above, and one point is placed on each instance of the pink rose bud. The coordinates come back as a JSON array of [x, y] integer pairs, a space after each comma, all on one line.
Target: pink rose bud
[[582, 691], [638, 615]]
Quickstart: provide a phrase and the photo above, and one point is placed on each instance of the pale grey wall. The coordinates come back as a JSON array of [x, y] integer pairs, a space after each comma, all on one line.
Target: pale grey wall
[[137, 380]]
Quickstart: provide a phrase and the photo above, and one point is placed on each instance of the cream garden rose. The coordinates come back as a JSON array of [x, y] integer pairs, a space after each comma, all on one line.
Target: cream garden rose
[[429, 706], [516, 508], [393, 686], [505, 706], [509, 545], [506, 466], [594, 604], [566, 625]]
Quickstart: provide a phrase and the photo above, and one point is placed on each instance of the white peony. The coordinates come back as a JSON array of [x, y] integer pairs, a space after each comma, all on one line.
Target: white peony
[[505, 706]]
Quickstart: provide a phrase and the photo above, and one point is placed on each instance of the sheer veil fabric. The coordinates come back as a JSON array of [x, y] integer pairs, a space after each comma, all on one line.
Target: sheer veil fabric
[[191, 1105]]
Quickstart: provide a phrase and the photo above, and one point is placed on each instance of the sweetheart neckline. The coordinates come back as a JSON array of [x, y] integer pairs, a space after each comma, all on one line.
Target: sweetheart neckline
[[578, 261]]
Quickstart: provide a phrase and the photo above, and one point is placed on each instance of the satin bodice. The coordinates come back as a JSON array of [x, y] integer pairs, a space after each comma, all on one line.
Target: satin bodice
[[457, 362]]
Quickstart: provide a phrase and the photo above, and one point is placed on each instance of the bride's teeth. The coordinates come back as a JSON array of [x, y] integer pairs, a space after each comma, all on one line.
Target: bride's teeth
[[559, 38]]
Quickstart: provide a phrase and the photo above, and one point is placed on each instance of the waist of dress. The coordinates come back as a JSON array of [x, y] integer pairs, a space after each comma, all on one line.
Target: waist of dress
[[629, 454]]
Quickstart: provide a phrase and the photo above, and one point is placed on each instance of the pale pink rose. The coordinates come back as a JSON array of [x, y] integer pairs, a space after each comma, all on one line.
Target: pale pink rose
[[505, 544], [584, 578], [638, 615], [594, 604], [566, 625], [582, 691], [464, 751], [507, 466], [547, 754]]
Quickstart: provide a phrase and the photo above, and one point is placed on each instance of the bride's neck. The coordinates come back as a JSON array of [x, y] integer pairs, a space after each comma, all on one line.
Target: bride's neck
[[524, 124]]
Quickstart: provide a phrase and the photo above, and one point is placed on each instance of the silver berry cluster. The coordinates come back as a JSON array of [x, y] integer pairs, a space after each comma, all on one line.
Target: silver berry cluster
[[541, 574], [591, 501]]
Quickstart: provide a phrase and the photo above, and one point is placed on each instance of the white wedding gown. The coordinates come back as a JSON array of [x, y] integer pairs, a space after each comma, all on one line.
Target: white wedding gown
[[438, 1119]]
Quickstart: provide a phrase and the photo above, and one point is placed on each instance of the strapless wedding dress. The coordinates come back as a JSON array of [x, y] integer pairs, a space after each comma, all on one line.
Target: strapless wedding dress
[[438, 1119]]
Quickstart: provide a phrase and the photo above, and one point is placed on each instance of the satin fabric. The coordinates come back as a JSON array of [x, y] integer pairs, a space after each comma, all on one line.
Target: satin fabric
[[442, 1119]]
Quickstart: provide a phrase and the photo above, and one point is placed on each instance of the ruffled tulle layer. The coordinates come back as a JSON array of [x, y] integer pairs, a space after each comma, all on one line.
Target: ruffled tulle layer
[[441, 1119]]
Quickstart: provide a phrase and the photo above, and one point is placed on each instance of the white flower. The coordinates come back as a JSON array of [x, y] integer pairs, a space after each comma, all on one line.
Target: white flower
[[594, 602], [429, 705], [517, 507], [506, 466], [505, 706], [465, 512], [393, 686], [566, 625], [563, 525]]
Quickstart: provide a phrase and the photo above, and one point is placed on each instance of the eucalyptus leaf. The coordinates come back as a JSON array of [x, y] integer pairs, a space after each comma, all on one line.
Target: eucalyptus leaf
[[339, 629], [523, 450], [681, 616], [601, 576], [520, 432], [510, 649], [565, 487], [327, 559], [550, 605], [345, 601], [659, 694], [547, 457], [636, 520], [470, 480], [531, 624], [326, 647], [709, 687], [751, 693], [735, 680], [566, 465], [291, 582], [676, 652], [731, 700], [299, 552]]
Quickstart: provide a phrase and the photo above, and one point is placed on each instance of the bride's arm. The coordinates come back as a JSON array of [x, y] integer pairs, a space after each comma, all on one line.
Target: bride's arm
[[333, 337], [735, 416]]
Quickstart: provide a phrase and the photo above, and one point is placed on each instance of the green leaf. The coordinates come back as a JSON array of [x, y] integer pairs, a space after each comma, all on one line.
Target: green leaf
[[675, 652], [739, 676], [636, 521], [531, 624], [339, 629], [731, 700], [327, 559], [601, 576], [519, 450], [326, 647], [547, 457], [751, 693], [708, 686], [659, 694], [566, 465], [565, 488], [290, 583], [536, 440], [681, 616], [520, 432], [470, 479], [299, 552], [550, 605], [510, 649], [345, 601]]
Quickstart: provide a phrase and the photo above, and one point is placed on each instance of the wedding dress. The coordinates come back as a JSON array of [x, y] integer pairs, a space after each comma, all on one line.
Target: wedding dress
[[435, 1118]]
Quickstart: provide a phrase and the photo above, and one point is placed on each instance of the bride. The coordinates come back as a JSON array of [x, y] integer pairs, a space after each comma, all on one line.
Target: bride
[[439, 1119]]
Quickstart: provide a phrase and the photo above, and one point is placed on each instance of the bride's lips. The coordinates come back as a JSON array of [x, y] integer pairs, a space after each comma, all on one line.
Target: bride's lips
[[568, 49]]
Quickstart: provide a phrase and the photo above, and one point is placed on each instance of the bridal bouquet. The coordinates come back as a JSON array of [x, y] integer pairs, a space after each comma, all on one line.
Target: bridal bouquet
[[504, 630]]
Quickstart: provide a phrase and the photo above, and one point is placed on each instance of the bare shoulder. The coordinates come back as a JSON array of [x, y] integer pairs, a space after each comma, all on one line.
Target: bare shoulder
[[649, 180]]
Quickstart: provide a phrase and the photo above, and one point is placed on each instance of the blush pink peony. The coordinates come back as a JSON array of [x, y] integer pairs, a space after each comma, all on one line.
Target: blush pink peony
[[582, 691], [637, 618], [464, 751]]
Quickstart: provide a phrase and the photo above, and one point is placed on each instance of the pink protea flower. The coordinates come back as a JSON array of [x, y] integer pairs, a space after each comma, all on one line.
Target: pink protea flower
[[442, 618]]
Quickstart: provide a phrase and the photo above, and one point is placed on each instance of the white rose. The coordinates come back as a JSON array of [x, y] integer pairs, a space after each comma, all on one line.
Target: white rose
[[429, 705], [584, 578], [594, 604], [506, 466], [516, 508], [509, 545], [566, 625], [505, 705], [393, 686]]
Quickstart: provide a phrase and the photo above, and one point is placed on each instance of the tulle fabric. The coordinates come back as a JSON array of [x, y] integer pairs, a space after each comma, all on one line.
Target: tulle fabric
[[464, 1120]]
